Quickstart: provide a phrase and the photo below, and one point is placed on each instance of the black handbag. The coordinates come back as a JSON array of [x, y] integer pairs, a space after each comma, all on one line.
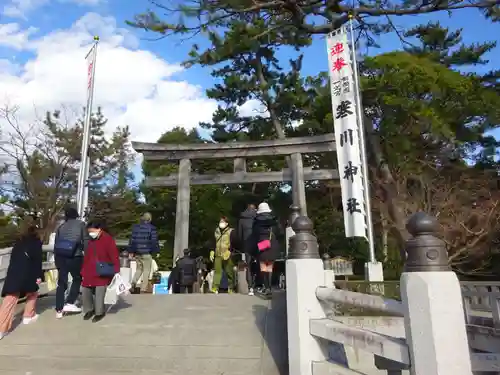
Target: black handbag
[[104, 269]]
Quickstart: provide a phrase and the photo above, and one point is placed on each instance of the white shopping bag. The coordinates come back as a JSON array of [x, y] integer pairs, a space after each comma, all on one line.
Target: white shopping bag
[[117, 288], [122, 287], [110, 298]]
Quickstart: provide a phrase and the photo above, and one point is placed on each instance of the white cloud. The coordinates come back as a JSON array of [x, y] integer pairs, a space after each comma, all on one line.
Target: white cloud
[[19, 8], [12, 36], [134, 87], [253, 107]]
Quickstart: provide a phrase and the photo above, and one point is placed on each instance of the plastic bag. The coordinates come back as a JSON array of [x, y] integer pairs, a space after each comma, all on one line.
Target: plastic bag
[[50, 279], [110, 298], [117, 288], [122, 287]]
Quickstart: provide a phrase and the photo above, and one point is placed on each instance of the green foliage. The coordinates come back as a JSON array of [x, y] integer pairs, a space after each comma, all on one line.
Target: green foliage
[[208, 203], [42, 167], [445, 112], [289, 19], [8, 230], [413, 97]]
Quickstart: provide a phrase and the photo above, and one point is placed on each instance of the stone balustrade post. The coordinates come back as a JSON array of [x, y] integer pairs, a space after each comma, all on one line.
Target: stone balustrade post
[[304, 273], [294, 214], [328, 271], [125, 270], [432, 299]]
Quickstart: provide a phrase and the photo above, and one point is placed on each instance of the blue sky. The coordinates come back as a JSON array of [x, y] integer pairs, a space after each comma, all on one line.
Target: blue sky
[[138, 82], [476, 29], [61, 15]]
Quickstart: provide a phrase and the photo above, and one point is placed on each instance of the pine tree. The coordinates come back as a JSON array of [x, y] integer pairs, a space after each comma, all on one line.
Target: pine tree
[[306, 17], [42, 162]]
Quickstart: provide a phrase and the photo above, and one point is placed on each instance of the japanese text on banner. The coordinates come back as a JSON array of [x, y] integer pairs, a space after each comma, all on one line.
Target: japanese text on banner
[[346, 133], [90, 71]]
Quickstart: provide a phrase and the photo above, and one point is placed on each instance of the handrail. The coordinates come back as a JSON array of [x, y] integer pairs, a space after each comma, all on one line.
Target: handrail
[[45, 248], [121, 242], [370, 302]]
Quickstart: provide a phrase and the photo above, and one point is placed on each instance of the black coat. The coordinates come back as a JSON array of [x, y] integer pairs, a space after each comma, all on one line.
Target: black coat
[[25, 266], [187, 271], [265, 224], [245, 225], [173, 280]]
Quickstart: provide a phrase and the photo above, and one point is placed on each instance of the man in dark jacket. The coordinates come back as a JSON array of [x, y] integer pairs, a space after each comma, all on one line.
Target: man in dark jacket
[[187, 272], [143, 244], [69, 246], [245, 225]]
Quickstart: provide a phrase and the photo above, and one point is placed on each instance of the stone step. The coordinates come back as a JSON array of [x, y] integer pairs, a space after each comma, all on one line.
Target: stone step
[[156, 352], [146, 334], [100, 365]]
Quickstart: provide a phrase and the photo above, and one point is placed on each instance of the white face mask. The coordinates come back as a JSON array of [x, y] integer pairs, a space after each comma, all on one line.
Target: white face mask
[[222, 225], [93, 235]]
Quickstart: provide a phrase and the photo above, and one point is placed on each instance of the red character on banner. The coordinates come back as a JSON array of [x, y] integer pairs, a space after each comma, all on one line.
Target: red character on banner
[[89, 75], [338, 64], [336, 49]]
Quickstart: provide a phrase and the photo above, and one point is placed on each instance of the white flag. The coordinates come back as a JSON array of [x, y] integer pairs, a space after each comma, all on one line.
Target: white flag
[[346, 124]]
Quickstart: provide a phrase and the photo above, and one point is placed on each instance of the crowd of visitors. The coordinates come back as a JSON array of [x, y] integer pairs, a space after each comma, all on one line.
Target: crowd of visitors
[[90, 255], [256, 238], [84, 251]]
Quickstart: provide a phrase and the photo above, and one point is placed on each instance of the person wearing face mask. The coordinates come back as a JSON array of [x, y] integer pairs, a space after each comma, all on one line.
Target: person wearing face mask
[[100, 264], [225, 242]]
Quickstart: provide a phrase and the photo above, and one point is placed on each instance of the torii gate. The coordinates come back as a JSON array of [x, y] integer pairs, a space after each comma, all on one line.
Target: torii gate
[[239, 151]]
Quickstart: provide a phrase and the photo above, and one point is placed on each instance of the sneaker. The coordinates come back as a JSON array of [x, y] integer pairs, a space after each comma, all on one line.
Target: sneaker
[[59, 314], [215, 291], [2, 335], [29, 320], [71, 308], [250, 292]]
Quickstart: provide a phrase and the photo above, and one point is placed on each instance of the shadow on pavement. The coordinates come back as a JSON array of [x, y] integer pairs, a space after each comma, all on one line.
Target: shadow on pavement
[[271, 322]]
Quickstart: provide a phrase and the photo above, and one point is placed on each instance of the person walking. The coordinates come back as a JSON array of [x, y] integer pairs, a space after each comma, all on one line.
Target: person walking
[[24, 274], [100, 264], [173, 279], [225, 240], [245, 225], [187, 272], [266, 230], [143, 244], [69, 247]]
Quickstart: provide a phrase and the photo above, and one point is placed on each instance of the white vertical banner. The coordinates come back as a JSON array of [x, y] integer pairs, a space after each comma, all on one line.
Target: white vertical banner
[[346, 125], [83, 173]]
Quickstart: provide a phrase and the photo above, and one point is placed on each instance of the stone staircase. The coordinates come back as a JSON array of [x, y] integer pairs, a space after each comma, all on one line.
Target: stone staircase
[[194, 334]]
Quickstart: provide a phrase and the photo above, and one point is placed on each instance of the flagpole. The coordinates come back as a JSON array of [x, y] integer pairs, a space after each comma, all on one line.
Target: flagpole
[[83, 174], [364, 162]]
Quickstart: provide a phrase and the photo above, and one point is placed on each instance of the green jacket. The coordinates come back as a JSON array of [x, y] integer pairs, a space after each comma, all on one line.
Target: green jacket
[[225, 240]]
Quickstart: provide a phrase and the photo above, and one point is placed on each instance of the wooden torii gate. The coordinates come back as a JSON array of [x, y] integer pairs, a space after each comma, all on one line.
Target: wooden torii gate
[[239, 151]]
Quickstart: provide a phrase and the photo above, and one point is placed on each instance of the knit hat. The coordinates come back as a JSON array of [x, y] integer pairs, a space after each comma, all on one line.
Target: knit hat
[[263, 208]]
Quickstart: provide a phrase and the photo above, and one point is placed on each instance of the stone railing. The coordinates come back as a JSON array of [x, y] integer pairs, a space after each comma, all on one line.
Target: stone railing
[[481, 299], [47, 265], [423, 333]]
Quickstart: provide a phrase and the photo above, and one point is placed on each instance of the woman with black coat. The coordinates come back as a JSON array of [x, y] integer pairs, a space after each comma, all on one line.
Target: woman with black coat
[[24, 274], [265, 233]]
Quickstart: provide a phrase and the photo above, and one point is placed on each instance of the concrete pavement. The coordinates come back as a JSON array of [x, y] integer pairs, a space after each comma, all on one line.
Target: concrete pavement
[[194, 334]]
